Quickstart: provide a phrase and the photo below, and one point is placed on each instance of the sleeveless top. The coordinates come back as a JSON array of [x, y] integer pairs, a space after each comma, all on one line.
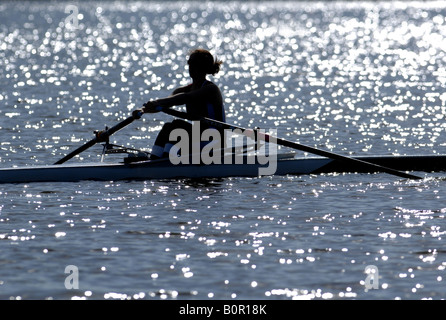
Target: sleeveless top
[[208, 109]]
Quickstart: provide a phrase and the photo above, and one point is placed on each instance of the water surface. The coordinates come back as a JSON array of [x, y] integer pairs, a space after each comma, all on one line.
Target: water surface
[[354, 78]]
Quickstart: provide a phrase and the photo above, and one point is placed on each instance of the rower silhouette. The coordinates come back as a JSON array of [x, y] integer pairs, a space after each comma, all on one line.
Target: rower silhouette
[[202, 98]]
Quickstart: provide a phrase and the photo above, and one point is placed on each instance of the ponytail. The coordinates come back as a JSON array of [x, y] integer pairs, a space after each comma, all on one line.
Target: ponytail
[[215, 67], [207, 63]]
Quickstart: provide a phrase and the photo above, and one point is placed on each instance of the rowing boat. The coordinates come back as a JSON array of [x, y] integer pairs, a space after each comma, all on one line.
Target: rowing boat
[[139, 168], [146, 170]]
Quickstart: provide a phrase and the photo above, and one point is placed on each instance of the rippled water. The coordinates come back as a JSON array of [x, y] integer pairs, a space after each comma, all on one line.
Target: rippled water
[[354, 78]]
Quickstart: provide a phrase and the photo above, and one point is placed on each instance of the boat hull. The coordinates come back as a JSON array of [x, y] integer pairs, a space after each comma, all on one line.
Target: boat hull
[[165, 170]]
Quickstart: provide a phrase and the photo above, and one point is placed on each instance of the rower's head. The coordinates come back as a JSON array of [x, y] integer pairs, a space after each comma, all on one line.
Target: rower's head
[[201, 62]]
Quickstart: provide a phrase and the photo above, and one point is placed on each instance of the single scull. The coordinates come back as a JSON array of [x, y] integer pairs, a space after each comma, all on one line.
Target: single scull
[[163, 169]]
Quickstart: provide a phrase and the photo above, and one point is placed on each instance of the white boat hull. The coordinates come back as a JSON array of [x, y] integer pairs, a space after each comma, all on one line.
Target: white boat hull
[[147, 171], [165, 170]]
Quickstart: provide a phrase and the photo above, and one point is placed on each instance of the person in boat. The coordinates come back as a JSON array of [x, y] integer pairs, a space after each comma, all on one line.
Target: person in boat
[[202, 98]]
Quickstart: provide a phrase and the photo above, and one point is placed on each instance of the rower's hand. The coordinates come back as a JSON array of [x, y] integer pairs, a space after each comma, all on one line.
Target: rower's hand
[[137, 113], [151, 107]]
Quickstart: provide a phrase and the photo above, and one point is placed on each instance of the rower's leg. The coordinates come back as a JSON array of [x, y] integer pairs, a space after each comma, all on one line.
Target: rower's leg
[[161, 140], [163, 144], [170, 144]]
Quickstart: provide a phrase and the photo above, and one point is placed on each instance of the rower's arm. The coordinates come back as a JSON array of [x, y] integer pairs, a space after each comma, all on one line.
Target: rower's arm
[[182, 89], [173, 100], [181, 98]]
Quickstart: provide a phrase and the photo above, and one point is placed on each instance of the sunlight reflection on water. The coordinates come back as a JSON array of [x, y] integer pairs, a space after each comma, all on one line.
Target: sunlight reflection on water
[[356, 78]]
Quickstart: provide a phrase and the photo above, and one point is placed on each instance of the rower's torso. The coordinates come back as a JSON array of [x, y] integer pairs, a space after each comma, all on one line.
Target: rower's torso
[[209, 104]]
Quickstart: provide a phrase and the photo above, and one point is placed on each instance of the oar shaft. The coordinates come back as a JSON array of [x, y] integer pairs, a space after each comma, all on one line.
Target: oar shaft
[[298, 146], [77, 151], [331, 155], [106, 133]]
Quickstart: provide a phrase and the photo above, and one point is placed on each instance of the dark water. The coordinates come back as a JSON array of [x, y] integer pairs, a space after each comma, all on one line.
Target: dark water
[[355, 78]]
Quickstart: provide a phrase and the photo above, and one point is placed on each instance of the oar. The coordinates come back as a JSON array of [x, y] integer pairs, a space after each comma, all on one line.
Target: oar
[[102, 136], [298, 146]]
